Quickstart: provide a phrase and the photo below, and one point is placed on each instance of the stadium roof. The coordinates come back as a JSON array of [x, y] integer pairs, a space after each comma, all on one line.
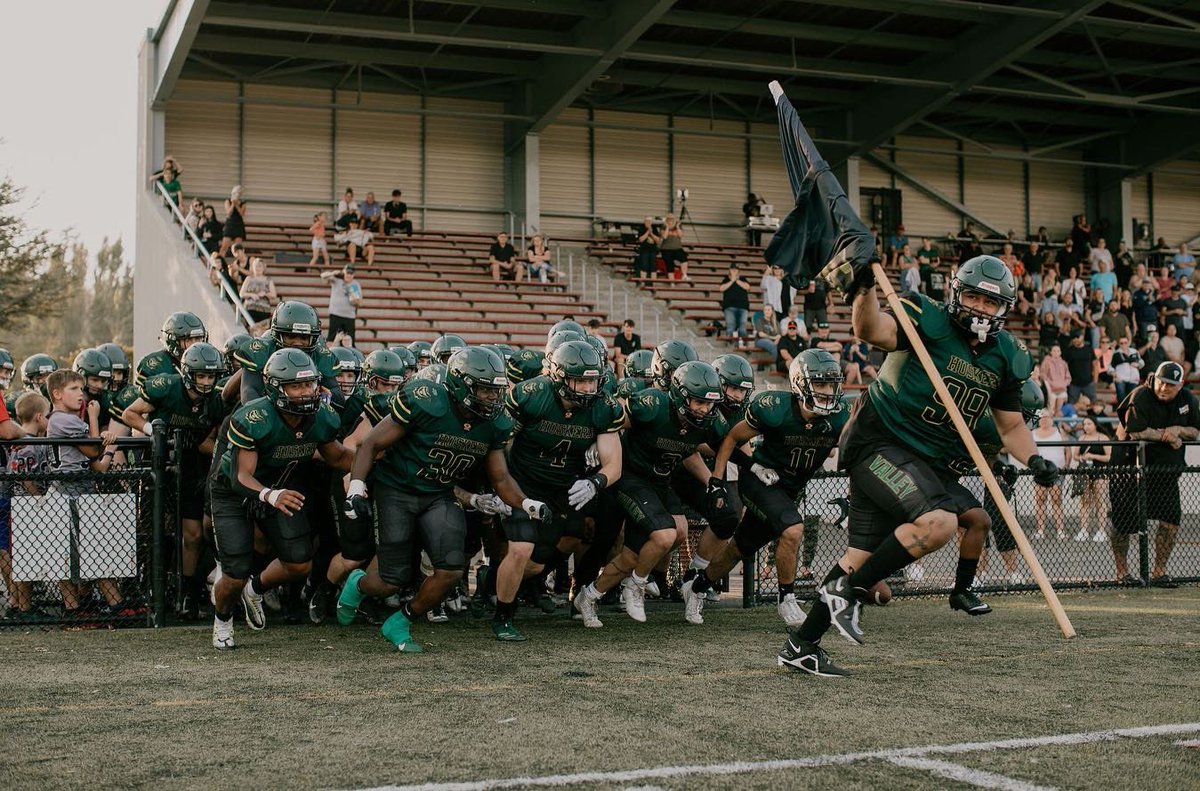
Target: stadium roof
[[1121, 79]]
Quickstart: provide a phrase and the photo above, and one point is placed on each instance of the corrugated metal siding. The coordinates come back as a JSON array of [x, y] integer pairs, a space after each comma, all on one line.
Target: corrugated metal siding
[[464, 167], [924, 216], [377, 151], [202, 134], [288, 150], [768, 175], [632, 178], [995, 188], [1177, 203], [871, 175], [713, 169], [565, 178], [1139, 202], [1056, 194]]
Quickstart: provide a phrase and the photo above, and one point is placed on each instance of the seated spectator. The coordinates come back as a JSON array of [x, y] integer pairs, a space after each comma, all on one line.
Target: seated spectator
[[1027, 299], [1104, 355], [1149, 351], [1171, 345], [1056, 376], [1047, 333], [1173, 311], [258, 292], [790, 344], [234, 231], [1093, 313], [825, 340], [372, 212], [1070, 314], [1137, 278], [1103, 277], [345, 296], [1126, 365], [670, 248], [1033, 261], [1042, 235], [645, 264], [1014, 264], [239, 267], [1082, 366], [857, 366], [735, 303], [359, 239], [1049, 289], [347, 211], [195, 214], [626, 343], [538, 257], [395, 219], [319, 248], [1113, 324], [502, 258], [1073, 284], [210, 230], [1163, 282], [218, 270], [595, 328], [910, 275], [168, 176], [766, 331], [1184, 262]]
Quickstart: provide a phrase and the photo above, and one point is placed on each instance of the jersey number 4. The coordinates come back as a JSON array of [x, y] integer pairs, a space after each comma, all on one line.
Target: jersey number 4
[[971, 402]]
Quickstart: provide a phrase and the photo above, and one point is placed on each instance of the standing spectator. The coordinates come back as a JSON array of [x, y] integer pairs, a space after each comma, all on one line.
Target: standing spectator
[[347, 211], [1173, 310], [1171, 345], [344, 298], [1126, 366], [790, 344], [1139, 276], [1072, 284], [195, 215], [766, 331], [1103, 277], [502, 258], [360, 239], [1184, 262], [735, 302], [1070, 315], [1057, 377], [372, 212], [1067, 257], [645, 265], [168, 176], [1147, 347], [671, 248], [753, 208], [1104, 353], [626, 343], [210, 230], [1047, 432], [1164, 415], [235, 220], [539, 257], [1113, 324], [772, 288], [1123, 264], [319, 248], [1092, 456], [1047, 334], [258, 292], [1032, 260], [1081, 235], [816, 302], [1081, 362], [1093, 313], [395, 216], [218, 270], [1145, 313]]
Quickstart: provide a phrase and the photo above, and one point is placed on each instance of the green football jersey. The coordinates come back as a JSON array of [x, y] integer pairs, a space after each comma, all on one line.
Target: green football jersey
[[549, 443], [378, 406], [255, 354], [630, 386], [122, 400], [657, 441], [153, 364], [167, 394], [792, 446], [259, 426], [352, 410], [989, 442], [901, 405], [439, 447]]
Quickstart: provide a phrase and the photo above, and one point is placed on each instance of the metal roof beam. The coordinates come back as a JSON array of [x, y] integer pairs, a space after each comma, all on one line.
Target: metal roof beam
[[1157, 140], [727, 23], [172, 44], [583, 8]]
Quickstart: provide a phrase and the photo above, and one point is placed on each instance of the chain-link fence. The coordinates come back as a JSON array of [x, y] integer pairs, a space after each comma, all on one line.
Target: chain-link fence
[[84, 548], [1104, 525]]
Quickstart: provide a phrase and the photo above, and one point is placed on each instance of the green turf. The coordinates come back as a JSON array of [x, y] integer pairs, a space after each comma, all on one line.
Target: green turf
[[298, 707]]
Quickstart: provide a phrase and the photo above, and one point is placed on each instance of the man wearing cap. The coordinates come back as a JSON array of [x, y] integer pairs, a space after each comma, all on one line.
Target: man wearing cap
[[344, 298], [824, 340], [1164, 415], [1082, 363], [790, 344]]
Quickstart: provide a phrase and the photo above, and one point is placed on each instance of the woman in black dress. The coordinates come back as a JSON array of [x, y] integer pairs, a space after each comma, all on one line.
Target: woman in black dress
[[235, 220]]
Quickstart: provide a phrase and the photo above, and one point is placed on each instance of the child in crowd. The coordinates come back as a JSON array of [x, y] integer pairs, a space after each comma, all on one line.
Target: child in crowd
[[319, 248], [33, 413]]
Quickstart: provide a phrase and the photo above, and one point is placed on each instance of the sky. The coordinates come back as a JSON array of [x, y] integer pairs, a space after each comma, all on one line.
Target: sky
[[68, 130]]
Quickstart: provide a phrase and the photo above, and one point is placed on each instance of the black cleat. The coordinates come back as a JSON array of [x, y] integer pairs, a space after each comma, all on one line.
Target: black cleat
[[844, 608], [808, 657], [969, 602], [190, 611], [319, 601]]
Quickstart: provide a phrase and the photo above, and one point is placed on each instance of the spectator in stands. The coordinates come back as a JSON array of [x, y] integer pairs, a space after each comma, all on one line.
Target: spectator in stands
[[1183, 261], [168, 176], [347, 211], [395, 219], [1093, 312], [1067, 258], [234, 231], [218, 270], [626, 343], [210, 230], [1103, 277], [1014, 264], [970, 249], [372, 212], [1092, 499], [258, 292], [856, 362], [502, 259], [1081, 235], [1027, 299], [359, 239], [1126, 367], [816, 302], [823, 339], [1123, 265], [1033, 261], [239, 267], [772, 287], [538, 257], [910, 275], [1042, 236], [1104, 354], [933, 281], [1145, 311], [1073, 284], [595, 328], [319, 248], [896, 244], [766, 331], [1056, 376], [1113, 324], [194, 215], [790, 344], [1049, 289], [1171, 345], [1172, 310], [1047, 432], [1047, 333], [1081, 363], [1163, 283], [670, 249], [735, 302], [646, 263], [753, 208], [1147, 347], [344, 298], [1070, 315]]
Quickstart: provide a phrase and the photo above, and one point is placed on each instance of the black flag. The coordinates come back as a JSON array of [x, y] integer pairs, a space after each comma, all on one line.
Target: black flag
[[823, 233]]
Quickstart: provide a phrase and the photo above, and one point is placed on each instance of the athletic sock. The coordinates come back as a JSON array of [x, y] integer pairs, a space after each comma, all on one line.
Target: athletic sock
[[640, 581], [224, 616], [888, 558], [698, 562], [786, 589], [406, 610], [505, 611], [817, 623], [701, 583], [964, 575]]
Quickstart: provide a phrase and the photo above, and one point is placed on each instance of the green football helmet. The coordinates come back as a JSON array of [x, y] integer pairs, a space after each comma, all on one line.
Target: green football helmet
[[668, 356], [561, 337], [235, 343], [407, 359], [445, 346], [504, 350], [298, 323], [434, 372], [987, 276], [475, 378], [524, 364], [566, 324], [119, 361], [349, 362], [423, 351], [695, 380], [1033, 401], [202, 358], [289, 367], [93, 362], [736, 374], [638, 365], [7, 367], [181, 328], [811, 367], [572, 366], [35, 369], [602, 352], [386, 370]]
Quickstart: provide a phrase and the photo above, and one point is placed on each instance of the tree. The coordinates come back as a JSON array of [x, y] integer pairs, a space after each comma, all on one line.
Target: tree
[[25, 260]]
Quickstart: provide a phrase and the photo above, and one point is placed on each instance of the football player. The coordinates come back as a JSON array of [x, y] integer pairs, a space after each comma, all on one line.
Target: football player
[[294, 325], [423, 351], [96, 369], [180, 330], [119, 361], [445, 346], [524, 364]]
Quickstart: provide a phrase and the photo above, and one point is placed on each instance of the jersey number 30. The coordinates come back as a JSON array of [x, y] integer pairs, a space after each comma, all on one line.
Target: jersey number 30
[[447, 467]]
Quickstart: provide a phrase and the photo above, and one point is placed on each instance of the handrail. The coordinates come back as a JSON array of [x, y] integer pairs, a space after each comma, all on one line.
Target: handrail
[[234, 297]]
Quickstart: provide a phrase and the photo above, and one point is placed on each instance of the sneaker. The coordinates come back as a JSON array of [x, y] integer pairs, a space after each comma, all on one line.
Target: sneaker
[[507, 633], [844, 608], [223, 634], [789, 610], [1163, 581], [319, 602], [651, 589], [709, 595], [396, 630], [1082, 535], [693, 604], [810, 658], [635, 600], [586, 606], [969, 602], [438, 614], [350, 598], [252, 604]]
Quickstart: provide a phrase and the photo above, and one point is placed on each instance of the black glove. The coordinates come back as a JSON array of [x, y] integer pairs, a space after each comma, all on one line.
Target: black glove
[[357, 506], [717, 493], [848, 278], [1045, 472], [1006, 473]]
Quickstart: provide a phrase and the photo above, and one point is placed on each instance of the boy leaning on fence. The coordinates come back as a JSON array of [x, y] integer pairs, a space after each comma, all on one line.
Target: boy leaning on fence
[[33, 415]]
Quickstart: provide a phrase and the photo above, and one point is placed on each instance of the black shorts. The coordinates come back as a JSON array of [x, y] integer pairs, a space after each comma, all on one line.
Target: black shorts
[[234, 518], [769, 511], [891, 486], [399, 515], [722, 521], [1162, 494], [355, 536], [648, 506], [566, 522], [1123, 504]]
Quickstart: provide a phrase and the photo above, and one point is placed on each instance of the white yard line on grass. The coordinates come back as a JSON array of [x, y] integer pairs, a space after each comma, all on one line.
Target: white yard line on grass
[[894, 755], [965, 774]]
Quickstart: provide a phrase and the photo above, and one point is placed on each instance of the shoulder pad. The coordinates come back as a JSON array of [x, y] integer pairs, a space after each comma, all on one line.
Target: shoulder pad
[[425, 397], [327, 421], [254, 419], [157, 386], [254, 356], [763, 409], [152, 363], [1020, 361]]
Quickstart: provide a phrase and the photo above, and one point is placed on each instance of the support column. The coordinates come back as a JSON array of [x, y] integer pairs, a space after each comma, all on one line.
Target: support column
[[524, 179], [1114, 201], [847, 174]]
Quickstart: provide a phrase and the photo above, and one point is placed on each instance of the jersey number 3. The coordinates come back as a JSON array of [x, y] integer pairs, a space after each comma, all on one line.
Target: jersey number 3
[[971, 402]]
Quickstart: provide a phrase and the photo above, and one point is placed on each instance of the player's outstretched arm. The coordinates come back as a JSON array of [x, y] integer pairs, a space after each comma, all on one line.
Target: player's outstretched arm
[[136, 415], [871, 324], [337, 455], [231, 393], [737, 436], [611, 459], [1015, 434]]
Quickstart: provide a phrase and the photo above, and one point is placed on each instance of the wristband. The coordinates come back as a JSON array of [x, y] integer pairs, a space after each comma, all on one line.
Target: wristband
[[356, 489], [263, 494], [600, 479], [148, 429]]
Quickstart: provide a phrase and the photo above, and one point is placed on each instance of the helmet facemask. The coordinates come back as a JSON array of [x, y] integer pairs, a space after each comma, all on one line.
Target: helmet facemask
[[971, 320], [822, 402]]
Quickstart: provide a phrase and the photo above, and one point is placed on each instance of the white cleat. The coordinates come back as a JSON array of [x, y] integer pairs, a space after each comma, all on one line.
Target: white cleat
[[651, 589], [789, 610], [585, 605], [712, 595], [252, 603], [223, 634], [635, 600], [693, 604]]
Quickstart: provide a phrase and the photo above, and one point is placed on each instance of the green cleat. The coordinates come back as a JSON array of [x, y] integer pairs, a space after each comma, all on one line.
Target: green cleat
[[350, 598], [507, 633], [396, 631]]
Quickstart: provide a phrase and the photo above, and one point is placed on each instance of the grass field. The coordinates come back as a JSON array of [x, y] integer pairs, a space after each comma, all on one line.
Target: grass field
[[301, 707]]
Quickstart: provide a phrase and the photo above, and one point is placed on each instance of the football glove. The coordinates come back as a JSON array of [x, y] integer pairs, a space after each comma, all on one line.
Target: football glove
[[765, 474], [717, 493], [591, 457], [490, 504], [1045, 472], [536, 509], [848, 277], [357, 506]]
